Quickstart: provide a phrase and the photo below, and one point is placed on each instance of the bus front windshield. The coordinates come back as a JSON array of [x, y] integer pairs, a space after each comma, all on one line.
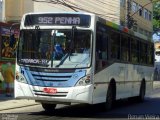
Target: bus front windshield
[[55, 48]]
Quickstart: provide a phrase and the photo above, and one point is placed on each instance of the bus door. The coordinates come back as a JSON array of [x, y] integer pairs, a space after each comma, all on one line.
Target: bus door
[[101, 64]]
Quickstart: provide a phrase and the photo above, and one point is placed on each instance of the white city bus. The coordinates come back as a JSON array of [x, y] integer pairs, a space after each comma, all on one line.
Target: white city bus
[[65, 58]]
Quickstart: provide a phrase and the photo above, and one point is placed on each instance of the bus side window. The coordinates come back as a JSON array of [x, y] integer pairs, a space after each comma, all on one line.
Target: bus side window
[[134, 50], [125, 46], [115, 45], [101, 49]]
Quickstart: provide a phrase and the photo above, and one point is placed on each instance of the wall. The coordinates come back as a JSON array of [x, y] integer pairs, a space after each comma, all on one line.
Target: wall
[[14, 9], [107, 9]]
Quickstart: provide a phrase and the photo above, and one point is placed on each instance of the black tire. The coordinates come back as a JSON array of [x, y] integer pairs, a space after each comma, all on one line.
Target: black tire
[[142, 92], [110, 98], [49, 108]]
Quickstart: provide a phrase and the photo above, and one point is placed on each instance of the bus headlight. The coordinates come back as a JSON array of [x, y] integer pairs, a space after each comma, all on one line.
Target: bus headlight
[[84, 81], [20, 78]]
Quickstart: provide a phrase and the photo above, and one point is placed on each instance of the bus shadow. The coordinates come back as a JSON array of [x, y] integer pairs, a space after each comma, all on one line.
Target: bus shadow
[[122, 109]]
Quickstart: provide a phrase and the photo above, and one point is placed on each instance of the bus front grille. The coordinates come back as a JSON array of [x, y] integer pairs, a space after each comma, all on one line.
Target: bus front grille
[[55, 77], [48, 79]]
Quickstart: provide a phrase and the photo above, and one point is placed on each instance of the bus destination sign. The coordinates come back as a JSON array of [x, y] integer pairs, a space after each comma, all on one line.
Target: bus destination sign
[[57, 19]]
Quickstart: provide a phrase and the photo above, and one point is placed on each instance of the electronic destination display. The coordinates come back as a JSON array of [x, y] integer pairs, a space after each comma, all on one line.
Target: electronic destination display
[[58, 19]]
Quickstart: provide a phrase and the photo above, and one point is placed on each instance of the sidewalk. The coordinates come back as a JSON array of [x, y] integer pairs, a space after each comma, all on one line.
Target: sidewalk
[[11, 103]]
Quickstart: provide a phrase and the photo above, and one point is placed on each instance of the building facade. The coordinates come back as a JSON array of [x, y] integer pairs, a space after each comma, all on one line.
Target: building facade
[[141, 11], [14, 9], [107, 9], [110, 10], [116, 11]]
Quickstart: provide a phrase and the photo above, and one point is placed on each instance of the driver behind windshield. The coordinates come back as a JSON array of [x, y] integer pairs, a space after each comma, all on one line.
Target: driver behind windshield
[[59, 52]]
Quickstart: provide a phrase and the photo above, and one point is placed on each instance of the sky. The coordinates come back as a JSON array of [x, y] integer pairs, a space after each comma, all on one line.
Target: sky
[[156, 38]]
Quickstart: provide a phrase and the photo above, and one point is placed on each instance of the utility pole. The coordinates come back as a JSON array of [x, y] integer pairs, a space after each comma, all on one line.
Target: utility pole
[[0, 10], [130, 21], [128, 13], [3, 11]]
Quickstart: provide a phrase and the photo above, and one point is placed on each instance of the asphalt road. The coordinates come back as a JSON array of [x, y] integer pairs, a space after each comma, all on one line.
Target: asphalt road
[[128, 109]]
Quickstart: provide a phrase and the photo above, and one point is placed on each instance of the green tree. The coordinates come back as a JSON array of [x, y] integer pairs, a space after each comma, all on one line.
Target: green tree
[[156, 17]]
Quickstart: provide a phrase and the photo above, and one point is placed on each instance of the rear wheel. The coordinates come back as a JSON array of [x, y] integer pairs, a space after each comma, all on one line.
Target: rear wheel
[[110, 98], [142, 92], [49, 108]]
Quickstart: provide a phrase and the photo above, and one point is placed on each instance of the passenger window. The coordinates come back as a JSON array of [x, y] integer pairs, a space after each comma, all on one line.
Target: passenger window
[[101, 47], [115, 45], [134, 50], [125, 45]]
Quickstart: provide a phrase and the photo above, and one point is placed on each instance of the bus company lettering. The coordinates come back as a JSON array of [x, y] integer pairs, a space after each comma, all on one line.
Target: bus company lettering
[[34, 61], [67, 20]]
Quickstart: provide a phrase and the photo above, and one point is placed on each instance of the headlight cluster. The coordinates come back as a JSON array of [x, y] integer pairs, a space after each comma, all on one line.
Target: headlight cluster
[[20, 77], [84, 81]]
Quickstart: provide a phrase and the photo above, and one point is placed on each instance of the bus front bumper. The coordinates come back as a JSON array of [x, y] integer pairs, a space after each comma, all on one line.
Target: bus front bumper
[[65, 95]]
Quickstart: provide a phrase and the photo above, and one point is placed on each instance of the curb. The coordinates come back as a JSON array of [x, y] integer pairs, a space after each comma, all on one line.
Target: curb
[[9, 108], [12, 103]]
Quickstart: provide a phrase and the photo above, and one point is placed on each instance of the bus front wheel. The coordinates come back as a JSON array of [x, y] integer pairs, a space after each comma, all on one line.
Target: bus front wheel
[[49, 108]]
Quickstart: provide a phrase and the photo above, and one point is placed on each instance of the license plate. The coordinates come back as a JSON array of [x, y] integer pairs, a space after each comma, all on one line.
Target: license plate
[[50, 90]]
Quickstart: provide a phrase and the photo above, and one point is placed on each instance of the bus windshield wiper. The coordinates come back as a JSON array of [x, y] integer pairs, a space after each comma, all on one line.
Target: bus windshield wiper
[[63, 59]]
